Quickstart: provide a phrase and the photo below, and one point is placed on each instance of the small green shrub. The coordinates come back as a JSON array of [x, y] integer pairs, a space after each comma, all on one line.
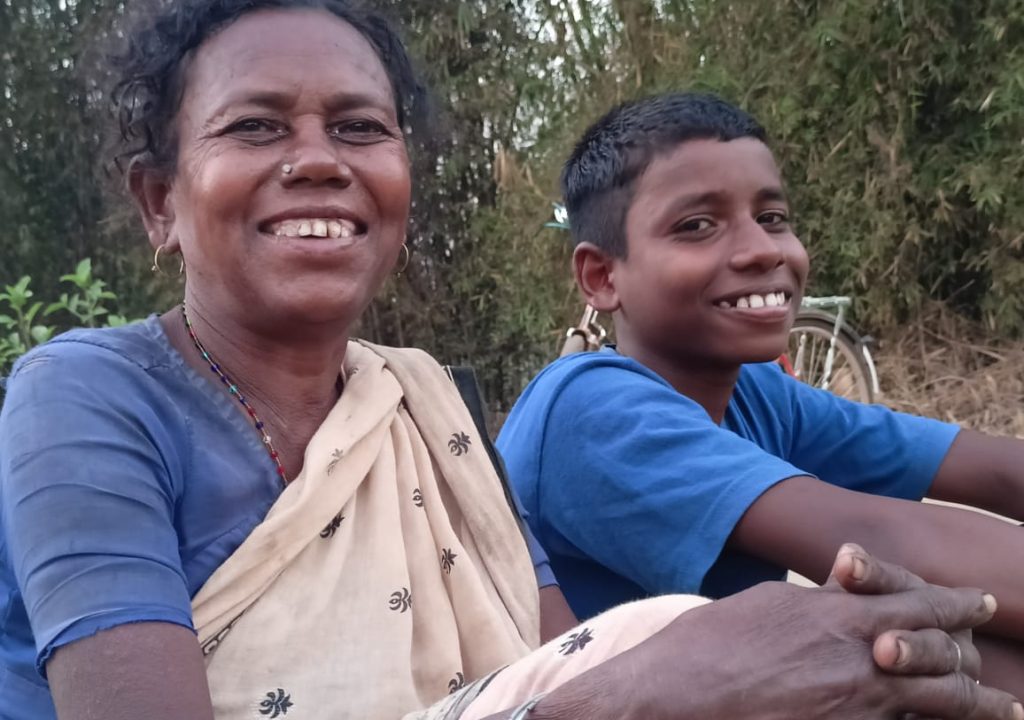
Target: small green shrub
[[25, 321]]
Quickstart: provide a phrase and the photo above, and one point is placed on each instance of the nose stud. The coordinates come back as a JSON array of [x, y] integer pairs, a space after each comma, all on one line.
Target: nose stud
[[287, 169]]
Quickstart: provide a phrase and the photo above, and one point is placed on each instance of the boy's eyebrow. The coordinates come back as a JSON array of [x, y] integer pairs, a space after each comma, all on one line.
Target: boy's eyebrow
[[684, 202], [772, 194]]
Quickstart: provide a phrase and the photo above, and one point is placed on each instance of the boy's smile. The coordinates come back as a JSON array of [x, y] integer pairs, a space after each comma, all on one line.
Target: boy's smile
[[713, 272]]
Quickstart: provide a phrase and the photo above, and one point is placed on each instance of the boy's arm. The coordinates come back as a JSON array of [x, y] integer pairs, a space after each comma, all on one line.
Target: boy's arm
[[983, 471], [801, 522]]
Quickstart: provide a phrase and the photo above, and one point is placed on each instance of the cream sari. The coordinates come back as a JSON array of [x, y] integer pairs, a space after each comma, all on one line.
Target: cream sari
[[391, 574]]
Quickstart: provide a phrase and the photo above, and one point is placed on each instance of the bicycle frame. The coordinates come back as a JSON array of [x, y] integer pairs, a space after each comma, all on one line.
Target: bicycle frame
[[836, 305]]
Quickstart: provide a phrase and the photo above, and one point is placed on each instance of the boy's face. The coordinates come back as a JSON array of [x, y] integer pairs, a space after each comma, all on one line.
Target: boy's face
[[713, 274]]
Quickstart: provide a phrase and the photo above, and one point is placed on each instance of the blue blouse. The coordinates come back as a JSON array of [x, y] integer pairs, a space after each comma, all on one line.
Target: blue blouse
[[126, 479]]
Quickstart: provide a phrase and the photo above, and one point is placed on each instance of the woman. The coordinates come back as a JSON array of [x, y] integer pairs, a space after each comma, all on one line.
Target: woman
[[235, 510]]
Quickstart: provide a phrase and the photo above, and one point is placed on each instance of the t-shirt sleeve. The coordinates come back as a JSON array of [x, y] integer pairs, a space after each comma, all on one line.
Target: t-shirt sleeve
[[867, 448], [638, 478], [86, 495]]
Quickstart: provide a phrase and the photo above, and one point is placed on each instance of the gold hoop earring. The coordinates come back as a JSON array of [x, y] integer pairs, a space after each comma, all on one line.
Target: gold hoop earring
[[157, 270], [405, 249]]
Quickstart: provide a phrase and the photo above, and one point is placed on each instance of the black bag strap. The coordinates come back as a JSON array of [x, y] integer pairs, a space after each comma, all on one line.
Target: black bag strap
[[466, 383]]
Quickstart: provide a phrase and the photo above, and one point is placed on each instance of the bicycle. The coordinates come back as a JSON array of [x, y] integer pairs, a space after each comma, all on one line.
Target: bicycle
[[824, 350]]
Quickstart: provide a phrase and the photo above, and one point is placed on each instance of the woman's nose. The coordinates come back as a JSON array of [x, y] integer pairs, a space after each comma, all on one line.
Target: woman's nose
[[316, 159]]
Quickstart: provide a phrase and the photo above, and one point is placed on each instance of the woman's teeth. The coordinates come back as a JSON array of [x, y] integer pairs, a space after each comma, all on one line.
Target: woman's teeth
[[776, 299], [315, 227]]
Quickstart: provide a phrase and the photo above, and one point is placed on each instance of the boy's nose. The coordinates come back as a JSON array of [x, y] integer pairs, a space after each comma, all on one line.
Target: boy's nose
[[755, 249]]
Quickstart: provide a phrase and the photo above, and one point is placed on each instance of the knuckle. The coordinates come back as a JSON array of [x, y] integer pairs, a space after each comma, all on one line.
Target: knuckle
[[949, 607], [965, 695]]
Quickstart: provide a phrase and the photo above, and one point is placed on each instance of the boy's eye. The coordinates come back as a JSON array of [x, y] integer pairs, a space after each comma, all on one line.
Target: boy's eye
[[694, 225], [773, 217]]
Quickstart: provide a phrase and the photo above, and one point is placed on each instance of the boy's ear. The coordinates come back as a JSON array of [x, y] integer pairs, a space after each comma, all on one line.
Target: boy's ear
[[595, 277], [151, 191]]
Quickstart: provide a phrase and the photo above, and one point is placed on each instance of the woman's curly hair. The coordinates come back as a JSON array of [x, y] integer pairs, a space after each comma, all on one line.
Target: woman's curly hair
[[150, 70]]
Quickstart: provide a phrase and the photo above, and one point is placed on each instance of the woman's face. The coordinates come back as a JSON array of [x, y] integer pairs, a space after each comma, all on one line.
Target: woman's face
[[296, 88]]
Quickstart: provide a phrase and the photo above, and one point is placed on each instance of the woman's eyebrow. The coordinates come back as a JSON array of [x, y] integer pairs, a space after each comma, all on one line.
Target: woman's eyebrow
[[283, 100]]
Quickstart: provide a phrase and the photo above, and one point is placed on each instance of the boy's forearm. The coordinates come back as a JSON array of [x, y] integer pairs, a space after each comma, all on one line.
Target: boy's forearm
[[1002, 663], [983, 471], [801, 522], [956, 548]]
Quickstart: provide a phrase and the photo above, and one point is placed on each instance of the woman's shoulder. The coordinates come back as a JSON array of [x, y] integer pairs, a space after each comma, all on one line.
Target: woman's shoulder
[[137, 346], [109, 369]]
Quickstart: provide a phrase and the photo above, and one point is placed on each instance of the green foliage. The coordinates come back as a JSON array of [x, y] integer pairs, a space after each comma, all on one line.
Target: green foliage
[[897, 123], [20, 316]]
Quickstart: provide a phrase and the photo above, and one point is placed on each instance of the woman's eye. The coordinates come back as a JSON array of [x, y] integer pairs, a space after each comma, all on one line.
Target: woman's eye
[[360, 130], [256, 126]]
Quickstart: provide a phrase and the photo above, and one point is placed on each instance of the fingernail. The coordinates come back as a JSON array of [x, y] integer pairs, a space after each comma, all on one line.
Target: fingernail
[[1018, 711], [860, 568], [902, 652], [991, 605]]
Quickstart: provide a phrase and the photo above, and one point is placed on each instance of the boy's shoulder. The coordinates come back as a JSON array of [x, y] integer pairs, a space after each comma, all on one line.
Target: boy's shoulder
[[589, 374]]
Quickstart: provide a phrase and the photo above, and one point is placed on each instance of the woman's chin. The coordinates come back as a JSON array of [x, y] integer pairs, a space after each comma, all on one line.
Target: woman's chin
[[312, 311]]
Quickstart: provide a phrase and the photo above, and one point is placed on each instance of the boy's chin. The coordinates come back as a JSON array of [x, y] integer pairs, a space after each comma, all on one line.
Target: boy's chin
[[762, 353]]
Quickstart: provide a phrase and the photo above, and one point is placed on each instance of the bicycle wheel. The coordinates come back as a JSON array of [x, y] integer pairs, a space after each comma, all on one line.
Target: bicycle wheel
[[809, 341]]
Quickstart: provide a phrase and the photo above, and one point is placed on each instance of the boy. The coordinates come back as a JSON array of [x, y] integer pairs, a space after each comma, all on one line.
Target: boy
[[683, 459]]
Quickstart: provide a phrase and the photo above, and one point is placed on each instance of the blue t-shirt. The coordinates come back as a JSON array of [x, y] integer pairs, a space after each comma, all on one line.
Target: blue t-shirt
[[634, 490], [126, 479]]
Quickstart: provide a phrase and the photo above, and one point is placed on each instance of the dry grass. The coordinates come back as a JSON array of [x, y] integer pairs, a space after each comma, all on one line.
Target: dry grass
[[946, 368]]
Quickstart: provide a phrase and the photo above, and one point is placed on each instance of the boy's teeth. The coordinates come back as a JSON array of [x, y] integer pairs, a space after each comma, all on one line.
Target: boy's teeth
[[775, 299], [305, 228], [320, 228], [334, 229]]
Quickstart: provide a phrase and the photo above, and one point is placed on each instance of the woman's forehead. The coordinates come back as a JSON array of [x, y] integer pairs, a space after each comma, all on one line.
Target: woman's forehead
[[282, 52]]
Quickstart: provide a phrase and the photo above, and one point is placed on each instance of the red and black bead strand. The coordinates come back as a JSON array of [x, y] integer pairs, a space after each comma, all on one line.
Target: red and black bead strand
[[233, 390]]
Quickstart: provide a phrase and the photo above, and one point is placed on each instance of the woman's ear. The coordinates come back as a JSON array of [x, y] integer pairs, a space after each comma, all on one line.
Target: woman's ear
[[595, 277], [151, 190]]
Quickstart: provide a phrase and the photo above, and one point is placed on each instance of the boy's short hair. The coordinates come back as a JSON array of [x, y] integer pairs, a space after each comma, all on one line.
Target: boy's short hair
[[599, 177]]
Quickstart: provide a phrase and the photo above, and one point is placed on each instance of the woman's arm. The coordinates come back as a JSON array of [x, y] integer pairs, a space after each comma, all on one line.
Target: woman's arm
[[89, 481], [782, 651], [556, 617], [143, 670]]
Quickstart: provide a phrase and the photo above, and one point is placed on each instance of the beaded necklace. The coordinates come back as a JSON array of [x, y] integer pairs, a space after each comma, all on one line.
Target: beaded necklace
[[233, 389]]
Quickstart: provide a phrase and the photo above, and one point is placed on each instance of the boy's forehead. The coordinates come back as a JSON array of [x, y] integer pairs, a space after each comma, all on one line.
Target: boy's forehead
[[711, 166]]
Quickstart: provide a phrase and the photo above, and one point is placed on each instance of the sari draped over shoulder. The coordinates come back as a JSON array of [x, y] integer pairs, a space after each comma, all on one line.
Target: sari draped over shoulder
[[390, 574]]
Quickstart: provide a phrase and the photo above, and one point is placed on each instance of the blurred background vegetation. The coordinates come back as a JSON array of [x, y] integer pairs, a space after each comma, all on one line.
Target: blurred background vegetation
[[899, 125]]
